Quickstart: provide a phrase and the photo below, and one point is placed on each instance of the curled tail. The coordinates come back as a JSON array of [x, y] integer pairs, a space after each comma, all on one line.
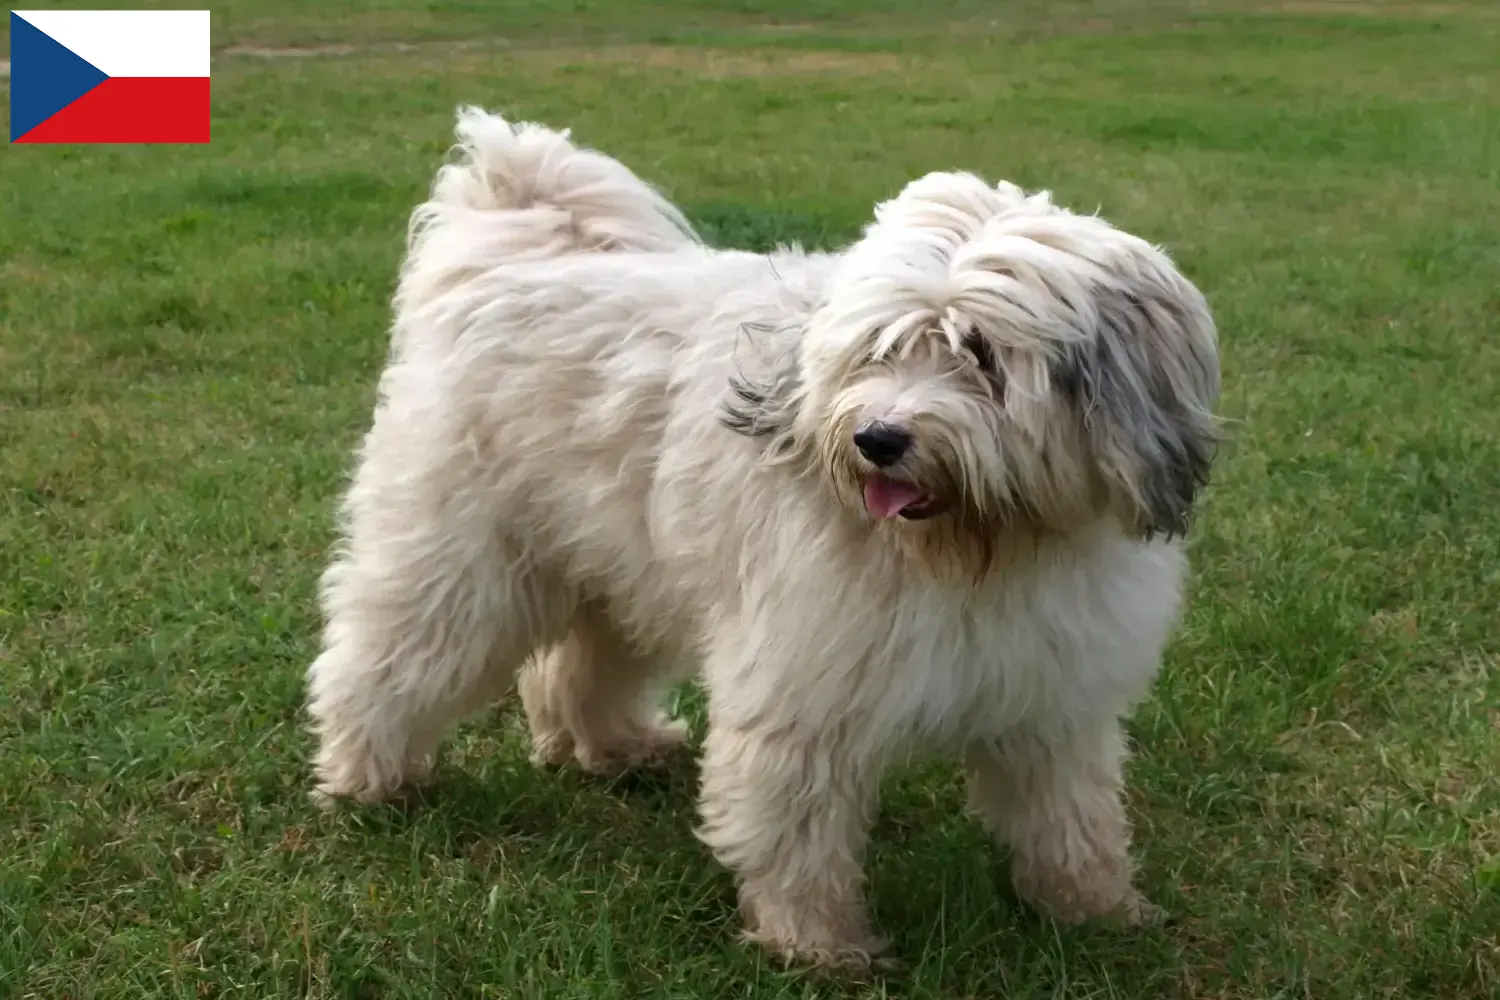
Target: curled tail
[[522, 192]]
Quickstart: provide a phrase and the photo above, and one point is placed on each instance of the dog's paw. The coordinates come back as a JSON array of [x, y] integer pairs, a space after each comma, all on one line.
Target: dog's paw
[[847, 956], [552, 749], [1136, 911], [834, 936], [645, 747], [1129, 909], [356, 780], [329, 797]]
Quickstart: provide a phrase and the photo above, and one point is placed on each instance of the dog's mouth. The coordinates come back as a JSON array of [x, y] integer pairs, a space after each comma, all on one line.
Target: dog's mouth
[[887, 498]]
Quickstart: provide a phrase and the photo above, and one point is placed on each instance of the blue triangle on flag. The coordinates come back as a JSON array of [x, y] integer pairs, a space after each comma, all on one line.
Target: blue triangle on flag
[[45, 77]]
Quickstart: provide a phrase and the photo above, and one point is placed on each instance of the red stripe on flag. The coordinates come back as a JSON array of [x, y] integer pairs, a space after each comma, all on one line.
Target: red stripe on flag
[[132, 109]]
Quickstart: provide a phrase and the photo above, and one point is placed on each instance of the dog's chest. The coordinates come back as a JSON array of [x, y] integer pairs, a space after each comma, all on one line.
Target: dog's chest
[[1063, 642]]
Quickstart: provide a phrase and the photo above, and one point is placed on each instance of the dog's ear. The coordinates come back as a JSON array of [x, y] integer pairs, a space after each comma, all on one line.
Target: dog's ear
[[1146, 384], [765, 404]]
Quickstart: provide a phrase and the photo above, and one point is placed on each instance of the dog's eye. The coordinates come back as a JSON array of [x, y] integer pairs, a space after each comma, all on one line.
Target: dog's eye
[[979, 348]]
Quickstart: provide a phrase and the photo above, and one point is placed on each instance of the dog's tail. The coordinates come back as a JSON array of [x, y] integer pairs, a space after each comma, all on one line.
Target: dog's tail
[[525, 192]]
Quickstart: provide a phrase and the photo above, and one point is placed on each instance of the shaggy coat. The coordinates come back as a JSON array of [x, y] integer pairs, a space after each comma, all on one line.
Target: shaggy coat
[[920, 493]]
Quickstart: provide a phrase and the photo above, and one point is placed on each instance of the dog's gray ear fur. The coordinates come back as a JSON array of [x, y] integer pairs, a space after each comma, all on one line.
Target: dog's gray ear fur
[[765, 404], [1146, 385]]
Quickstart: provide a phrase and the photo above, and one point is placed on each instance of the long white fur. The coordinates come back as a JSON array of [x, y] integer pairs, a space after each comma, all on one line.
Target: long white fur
[[548, 481]]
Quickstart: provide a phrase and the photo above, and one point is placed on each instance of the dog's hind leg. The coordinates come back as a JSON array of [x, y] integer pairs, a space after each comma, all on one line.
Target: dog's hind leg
[[1056, 801], [596, 699], [429, 618]]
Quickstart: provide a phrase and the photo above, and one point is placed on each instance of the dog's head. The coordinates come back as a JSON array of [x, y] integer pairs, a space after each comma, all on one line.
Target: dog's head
[[985, 358]]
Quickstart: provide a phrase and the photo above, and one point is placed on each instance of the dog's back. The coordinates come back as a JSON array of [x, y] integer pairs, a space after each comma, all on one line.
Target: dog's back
[[524, 192]]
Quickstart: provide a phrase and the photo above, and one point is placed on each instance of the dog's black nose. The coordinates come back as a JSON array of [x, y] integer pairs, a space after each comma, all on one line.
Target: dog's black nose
[[881, 443]]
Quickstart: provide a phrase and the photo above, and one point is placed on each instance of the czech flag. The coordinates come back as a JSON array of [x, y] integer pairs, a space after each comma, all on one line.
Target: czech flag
[[109, 76]]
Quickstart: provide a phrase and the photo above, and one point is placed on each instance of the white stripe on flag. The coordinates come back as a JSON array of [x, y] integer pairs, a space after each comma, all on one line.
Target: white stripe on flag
[[131, 42]]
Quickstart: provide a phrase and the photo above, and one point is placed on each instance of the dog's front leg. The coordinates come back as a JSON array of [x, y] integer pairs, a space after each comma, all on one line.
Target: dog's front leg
[[1054, 795], [787, 806]]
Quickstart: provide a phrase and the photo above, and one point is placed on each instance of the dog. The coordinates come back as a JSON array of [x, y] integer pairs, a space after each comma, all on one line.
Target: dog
[[925, 493]]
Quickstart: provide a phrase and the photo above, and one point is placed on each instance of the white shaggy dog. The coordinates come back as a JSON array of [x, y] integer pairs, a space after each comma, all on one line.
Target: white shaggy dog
[[918, 493]]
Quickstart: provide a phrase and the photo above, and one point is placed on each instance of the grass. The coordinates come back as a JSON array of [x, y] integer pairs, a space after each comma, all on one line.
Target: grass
[[188, 343]]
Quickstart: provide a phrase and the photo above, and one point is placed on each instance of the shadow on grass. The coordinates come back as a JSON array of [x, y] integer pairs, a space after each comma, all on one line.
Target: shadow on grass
[[619, 856]]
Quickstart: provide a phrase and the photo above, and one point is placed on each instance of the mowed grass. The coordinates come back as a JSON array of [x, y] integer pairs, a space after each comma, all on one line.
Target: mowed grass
[[189, 339]]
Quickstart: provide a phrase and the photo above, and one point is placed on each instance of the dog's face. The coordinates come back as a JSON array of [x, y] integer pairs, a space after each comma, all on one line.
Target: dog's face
[[986, 359]]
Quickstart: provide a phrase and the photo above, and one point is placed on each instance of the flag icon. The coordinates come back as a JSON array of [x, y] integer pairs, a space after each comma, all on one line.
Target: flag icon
[[91, 76]]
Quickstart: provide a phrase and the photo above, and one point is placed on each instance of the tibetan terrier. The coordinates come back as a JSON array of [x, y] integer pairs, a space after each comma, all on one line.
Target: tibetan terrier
[[925, 492]]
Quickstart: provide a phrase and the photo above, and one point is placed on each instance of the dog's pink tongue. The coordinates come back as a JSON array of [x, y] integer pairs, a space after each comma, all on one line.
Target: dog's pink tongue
[[887, 497]]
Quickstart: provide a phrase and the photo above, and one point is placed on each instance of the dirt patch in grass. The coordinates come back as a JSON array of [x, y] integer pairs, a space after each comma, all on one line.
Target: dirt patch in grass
[[710, 63], [1375, 8], [303, 51], [725, 63], [345, 50]]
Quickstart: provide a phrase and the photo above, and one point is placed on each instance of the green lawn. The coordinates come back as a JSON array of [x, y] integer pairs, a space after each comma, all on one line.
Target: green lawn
[[189, 338]]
